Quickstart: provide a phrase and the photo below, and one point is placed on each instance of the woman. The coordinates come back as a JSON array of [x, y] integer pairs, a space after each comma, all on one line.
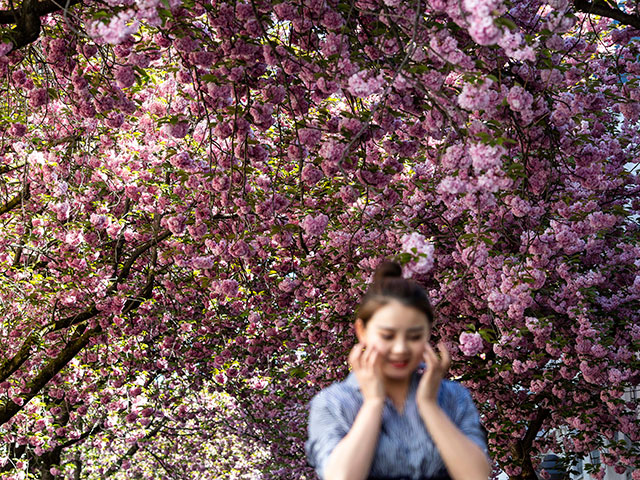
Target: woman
[[387, 420]]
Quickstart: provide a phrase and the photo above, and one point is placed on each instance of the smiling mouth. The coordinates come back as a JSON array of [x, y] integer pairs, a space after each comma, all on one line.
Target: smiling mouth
[[399, 364]]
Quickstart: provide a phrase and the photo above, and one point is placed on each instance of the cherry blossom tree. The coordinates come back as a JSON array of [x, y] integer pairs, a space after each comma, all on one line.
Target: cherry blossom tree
[[195, 194]]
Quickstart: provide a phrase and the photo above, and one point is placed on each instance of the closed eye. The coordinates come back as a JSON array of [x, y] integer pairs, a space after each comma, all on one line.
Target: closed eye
[[411, 339]]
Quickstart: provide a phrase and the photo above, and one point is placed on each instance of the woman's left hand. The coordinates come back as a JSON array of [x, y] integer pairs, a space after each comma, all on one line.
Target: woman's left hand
[[435, 370]]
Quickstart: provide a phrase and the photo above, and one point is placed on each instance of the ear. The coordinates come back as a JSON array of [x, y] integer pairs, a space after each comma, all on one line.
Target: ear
[[360, 330]]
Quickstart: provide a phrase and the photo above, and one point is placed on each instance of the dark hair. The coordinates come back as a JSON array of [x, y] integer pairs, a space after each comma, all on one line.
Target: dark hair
[[389, 285]]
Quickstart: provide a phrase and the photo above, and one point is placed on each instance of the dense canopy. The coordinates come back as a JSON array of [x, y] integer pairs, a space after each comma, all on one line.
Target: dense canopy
[[195, 194]]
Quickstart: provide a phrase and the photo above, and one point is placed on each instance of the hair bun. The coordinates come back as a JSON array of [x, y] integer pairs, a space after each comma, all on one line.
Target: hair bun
[[387, 269]]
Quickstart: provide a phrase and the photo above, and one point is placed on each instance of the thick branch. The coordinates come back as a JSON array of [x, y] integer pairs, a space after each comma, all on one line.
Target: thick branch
[[134, 449], [126, 269], [27, 20], [8, 367], [598, 7], [51, 369], [40, 9], [521, 451], [95, 428], [90, 312], [534, 428], [15, 201], [145, 294]]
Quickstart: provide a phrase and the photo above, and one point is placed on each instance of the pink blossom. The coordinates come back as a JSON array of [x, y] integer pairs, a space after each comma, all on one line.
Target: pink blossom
[[178, 129], [519, 206], [484, 157], [519, 99], [62, 210], [482, 28], [203, 262], [5, 47], [332, 20], [19, 76], [119, 28], [309, 136], [240, 249], [125, 77], [311, 174], [262, 115], [364, 83], [38, 97], [183, 161], [451, 186], [17, 130], [615, 376], [220, 183], [471, 343], [74, 238], [421, 249], [229, 288], [176, 224], [475, 97], [288, 285], [315, 226]]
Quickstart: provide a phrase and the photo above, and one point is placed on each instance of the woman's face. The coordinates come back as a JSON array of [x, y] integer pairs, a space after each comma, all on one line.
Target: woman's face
[[399, 333]]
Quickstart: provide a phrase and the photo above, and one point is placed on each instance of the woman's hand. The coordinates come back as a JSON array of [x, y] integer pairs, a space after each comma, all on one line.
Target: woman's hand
[[366, 364], [463, 458], [436, 369]]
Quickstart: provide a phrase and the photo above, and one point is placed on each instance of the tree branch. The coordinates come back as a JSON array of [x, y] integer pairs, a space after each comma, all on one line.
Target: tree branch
[[40, 9], [15, 201], [126, 269], [10, 408], [27, 20], [521, 450], [598, 7], [134, 449], [9, 366], [95, 428]]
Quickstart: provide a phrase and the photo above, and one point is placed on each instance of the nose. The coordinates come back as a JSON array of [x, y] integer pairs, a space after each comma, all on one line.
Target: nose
[[399, 347]]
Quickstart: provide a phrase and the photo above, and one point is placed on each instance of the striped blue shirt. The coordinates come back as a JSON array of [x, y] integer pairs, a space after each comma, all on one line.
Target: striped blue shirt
[[405, 448]]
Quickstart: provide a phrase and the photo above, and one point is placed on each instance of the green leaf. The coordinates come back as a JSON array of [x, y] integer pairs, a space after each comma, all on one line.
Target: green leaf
[[506, 23]]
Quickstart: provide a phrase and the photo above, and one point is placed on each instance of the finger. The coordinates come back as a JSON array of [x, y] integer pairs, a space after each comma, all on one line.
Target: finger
[[354, 351], [355, 354], [445, 356], [362, 354], [366, 359], [432, 359], [374, 359], [377, 360]]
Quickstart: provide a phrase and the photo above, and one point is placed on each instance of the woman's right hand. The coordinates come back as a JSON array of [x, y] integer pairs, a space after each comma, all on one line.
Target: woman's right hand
[[366, 364]]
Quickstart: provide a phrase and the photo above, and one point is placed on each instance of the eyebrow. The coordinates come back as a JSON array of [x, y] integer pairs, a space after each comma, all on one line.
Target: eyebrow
[[412, 329]]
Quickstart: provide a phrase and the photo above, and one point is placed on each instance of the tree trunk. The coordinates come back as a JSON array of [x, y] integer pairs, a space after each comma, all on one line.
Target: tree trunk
[[521, 451], [522, 457]]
